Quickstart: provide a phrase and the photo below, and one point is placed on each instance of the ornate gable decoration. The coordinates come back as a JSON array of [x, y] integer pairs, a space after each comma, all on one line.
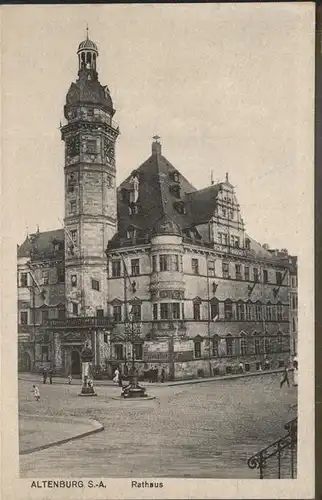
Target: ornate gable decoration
[[116, 302]]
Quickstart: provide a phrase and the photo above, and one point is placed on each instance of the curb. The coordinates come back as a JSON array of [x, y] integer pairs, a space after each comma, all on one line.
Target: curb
[[97, 427], [225, 377]]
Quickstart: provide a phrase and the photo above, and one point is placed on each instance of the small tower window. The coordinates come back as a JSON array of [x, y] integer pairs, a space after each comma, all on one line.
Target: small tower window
[[175, 177]]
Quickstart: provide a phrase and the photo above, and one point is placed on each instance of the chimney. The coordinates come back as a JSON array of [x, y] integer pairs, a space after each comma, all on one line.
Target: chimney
[[156, 146]]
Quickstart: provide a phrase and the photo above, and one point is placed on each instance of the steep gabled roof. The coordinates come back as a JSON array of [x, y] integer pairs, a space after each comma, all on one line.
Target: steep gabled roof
[[41, 244]]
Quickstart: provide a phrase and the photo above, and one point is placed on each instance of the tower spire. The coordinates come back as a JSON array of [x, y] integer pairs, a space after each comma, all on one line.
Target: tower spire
[[86, 31]]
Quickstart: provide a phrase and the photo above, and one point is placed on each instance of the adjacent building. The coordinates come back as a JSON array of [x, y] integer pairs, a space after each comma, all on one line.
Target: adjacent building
[[155, 271]]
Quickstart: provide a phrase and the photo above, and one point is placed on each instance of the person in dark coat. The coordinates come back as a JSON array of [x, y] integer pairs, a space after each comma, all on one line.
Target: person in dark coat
[[162, 375], [44, 376], [50, 374], [285, 378], [156, 374]]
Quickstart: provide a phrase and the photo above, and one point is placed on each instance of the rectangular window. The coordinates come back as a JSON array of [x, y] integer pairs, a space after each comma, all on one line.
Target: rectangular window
[[240, 311], [154, 263], [136, 312], [196, 311], [60, 273], [61, 314], [100, 313], [256, 275], [278, 278], [95, 285], [258, 312], [238, 271], [45, 277], [75, 308], [211, 268], [225, 270], [73, 207], [265, 276], [246, 273], [155, 312], [195, 266], [197, 349], [279, 344], [44, 316], [267, 345], [91, 146], [135, 267], [24, 317], [215, 346], [118, 348], [228, 309], [248, 313], [224, 239], [105, 338], [73, 234], [117, 313], [229, 344], [294, 302], [116, 268], [73, 280], [44, 353], [243, 346], [174, 262], [235, 241], [279, 311], [164, 264], [164, 311], [294, 281], [293, 325], [176, 310], [257, 345], [138, 351], [24, 279]]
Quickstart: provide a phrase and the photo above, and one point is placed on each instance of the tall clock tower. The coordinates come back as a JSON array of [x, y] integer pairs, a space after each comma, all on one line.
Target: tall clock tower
[[90, 192]]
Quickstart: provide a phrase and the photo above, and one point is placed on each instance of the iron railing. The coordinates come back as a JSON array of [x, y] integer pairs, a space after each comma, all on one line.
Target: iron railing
[[279, 459]]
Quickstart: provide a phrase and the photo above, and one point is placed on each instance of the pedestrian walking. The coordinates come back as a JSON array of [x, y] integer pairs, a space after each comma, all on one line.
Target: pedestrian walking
[[36, 392], [50, 374], [44, 376], [120, 379], [284, 378], [241, 367], [69, 378], [156, 374], [162, 375], [116, 376]]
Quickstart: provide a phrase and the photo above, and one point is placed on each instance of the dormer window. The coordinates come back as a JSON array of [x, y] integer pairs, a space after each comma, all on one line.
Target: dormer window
[[175, 176], [180, 208], [133, 209], [175, 190], [131, 233], [247, 244]]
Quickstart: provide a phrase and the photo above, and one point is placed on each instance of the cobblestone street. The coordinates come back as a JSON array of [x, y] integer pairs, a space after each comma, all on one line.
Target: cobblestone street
[[203, 430]]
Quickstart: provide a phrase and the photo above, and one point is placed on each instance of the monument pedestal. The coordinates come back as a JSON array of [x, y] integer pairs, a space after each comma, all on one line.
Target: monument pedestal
[[87, 384]]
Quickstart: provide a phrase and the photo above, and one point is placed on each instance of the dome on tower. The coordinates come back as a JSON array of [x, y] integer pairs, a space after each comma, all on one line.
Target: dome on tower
[[87, 45], [165, 225]]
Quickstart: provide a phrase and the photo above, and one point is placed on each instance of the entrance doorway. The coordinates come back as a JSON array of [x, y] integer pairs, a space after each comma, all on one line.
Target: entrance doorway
[[75, 363], [25, 362]]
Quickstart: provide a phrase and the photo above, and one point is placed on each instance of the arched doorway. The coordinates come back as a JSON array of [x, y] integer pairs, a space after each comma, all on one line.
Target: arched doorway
[[25, 362], [75, 363]]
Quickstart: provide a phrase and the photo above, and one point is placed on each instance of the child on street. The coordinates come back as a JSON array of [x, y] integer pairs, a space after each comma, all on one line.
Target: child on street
[[36, 392]]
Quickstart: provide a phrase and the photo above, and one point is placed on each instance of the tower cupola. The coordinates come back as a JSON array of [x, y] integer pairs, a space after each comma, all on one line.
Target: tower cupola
[[87, 54]]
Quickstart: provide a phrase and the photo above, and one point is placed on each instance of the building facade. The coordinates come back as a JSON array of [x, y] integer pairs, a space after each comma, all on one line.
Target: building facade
[[154, 272]]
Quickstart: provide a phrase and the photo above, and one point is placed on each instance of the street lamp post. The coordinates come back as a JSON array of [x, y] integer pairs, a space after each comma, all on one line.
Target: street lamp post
[[133, 333]]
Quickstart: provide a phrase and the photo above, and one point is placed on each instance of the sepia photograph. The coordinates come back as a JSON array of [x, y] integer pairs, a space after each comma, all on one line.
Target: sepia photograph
[[159, 165]]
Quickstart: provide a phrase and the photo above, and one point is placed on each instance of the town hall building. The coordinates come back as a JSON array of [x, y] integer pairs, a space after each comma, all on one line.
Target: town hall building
[[154, 272]]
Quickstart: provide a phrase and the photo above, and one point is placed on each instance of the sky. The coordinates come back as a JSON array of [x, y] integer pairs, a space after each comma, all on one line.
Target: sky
[[227, 87]]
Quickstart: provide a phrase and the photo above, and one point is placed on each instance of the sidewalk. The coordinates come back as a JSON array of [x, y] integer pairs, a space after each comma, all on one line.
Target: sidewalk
[[37, 378], [37, 432]]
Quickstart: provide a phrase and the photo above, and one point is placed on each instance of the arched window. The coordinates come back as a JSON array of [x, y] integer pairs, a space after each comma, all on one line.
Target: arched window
[[279, 310], [215, 342], [249, 310], [240, 310], [229, 345], [214, 308], [243, 344], [228, 307]]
